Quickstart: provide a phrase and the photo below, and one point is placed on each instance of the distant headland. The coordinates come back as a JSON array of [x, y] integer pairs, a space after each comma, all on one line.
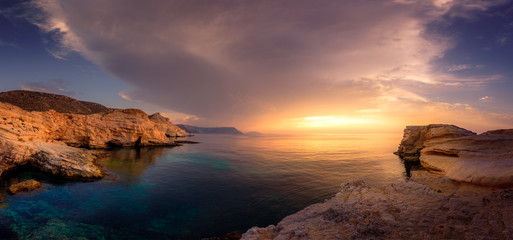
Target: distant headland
[[210, 130]]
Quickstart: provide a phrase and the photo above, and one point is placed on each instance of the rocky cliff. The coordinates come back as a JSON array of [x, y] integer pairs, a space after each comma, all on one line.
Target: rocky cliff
[[459, 154], [49, 140]]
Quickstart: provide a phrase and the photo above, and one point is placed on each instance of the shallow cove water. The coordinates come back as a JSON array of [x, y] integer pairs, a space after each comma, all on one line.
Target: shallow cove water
[[224, 183]]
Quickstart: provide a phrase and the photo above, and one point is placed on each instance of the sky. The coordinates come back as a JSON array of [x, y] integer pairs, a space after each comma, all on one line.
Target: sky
[[327, 66]]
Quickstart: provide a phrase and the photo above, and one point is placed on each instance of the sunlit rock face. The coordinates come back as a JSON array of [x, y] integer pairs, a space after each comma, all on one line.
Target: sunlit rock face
[[485, 159], [415, 136], [406, 210], [48, 140]]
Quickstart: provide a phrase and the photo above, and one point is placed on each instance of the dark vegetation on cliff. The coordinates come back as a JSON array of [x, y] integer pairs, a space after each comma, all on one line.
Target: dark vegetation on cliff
[[38, 101]]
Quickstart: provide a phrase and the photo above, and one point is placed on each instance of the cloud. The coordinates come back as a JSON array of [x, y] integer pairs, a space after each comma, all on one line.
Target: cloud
[[56, 86], [456, 68], [7, 44], [486, 99], [233, 60]]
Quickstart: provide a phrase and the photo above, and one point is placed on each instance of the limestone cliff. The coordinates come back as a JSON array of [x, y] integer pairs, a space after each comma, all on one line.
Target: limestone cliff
[[49, 139], [485, 159]]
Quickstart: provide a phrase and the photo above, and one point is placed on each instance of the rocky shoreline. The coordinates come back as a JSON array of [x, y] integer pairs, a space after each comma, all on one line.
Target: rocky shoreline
[[467, 198], [61, 143]]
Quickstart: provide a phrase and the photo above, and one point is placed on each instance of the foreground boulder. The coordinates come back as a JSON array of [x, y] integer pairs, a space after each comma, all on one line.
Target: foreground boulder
[[406, 210], [50, 140], [27, 185], [485, 159]]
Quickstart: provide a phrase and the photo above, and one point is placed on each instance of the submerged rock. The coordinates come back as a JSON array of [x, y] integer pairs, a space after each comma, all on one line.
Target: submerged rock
[[27, 185], [459, 154], [407, 210]]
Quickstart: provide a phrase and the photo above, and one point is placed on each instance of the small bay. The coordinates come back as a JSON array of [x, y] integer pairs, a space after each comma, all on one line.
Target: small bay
[[224, 183]]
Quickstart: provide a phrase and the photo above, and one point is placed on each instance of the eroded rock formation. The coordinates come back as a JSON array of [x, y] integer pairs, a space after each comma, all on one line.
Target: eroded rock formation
[[459, 154], [49, 140], [414, 138]]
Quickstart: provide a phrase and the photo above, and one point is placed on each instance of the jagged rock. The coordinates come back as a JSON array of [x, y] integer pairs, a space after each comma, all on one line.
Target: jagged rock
[[27, 185], [48, 140], [407, 210], [485, 159]]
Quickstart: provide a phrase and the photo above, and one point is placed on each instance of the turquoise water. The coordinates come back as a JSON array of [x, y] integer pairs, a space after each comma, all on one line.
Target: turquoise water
[[224, 183]]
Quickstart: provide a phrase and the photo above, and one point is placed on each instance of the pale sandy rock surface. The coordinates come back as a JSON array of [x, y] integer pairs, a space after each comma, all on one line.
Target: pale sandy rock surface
[[49, 140], [406, 210], [459, 154]]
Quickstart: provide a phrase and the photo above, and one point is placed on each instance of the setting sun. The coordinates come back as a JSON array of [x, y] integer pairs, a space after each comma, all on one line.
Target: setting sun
[[330, 121]]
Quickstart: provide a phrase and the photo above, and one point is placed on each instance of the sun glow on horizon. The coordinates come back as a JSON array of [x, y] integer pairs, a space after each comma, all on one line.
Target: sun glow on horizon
[[330, 121]]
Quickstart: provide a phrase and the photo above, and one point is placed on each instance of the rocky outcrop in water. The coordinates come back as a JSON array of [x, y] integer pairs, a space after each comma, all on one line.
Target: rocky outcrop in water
[[407, 210], [50, 140], [459, 154], [27, 185]]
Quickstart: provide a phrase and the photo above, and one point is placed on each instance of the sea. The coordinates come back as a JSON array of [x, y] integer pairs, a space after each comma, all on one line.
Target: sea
[[223, 183]]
